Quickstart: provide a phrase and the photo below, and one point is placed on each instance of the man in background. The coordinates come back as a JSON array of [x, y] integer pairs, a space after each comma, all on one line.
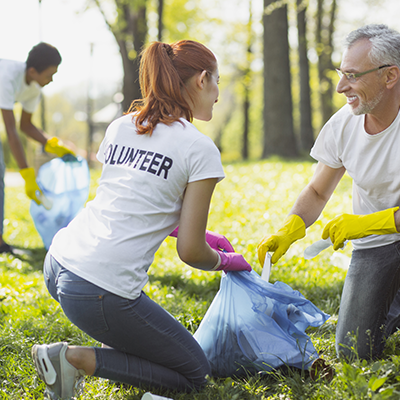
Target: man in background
[[22, 82]]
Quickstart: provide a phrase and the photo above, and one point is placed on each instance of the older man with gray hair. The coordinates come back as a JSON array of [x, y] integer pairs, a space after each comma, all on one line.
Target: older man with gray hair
[[362, 138]]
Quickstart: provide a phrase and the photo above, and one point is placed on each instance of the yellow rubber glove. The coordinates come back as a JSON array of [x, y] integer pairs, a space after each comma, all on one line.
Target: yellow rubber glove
[[293, 229], [348, 226], [30, 183], [56, 146]]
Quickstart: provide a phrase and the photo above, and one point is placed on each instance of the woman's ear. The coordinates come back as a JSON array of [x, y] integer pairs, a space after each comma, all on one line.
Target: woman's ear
[[200, 79]]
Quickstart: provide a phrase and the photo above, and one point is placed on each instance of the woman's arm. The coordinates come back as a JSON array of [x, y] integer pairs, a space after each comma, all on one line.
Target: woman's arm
[[191, 244]]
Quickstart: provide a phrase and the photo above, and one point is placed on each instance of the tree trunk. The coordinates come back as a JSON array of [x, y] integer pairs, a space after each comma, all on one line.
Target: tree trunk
[[324, 39], [246, 86], [135, 32], [229, 109], [279, 137], [130, 32], [130, 85], [306, 128], [160, 19], [246, 123]]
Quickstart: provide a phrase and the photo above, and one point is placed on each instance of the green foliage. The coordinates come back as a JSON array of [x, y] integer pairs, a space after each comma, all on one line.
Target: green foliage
[[182, 19], [225, 33], [251, 202]]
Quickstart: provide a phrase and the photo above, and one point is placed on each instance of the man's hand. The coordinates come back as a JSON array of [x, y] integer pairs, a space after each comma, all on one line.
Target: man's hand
[[293, 229], [55, 146], [348, 226], [31, 187]]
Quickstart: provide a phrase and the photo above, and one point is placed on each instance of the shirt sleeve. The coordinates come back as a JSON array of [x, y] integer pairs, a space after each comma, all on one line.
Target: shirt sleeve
[[7, 98], [326, 146], [204, 160], [30, 105], [100, 152]]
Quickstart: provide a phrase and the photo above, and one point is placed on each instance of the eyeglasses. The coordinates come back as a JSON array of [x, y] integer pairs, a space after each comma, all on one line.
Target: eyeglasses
[[353, 76]]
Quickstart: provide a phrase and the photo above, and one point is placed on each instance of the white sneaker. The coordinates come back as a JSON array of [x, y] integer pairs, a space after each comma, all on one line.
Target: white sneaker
[[62, 379]]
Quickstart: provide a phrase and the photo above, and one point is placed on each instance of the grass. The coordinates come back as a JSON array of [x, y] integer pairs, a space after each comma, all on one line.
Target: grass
[[251, 202]]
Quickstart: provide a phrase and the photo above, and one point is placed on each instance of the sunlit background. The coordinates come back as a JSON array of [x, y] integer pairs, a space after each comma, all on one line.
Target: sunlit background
[[92, 69]]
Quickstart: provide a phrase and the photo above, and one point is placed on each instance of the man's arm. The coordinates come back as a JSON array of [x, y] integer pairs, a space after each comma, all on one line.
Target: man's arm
[[316, 194], [31, 130], [52, 145], [304, 213], [14, 139], [31, 187]]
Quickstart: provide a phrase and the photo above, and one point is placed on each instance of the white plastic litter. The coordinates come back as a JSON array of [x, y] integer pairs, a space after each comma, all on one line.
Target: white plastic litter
[[318, 246], [46, 202], [266, 268]]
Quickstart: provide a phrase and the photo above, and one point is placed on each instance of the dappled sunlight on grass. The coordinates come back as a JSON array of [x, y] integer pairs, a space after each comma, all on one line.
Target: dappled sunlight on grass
[[251, 202]]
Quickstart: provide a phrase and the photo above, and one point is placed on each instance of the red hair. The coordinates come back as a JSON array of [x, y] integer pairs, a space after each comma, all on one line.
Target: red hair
[[164, 72]]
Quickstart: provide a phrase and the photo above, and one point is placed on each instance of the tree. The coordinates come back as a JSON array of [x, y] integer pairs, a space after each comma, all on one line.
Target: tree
[[325, 21], [279, 136], [160, 20], [306, 128], [129, 28], [246, 87]]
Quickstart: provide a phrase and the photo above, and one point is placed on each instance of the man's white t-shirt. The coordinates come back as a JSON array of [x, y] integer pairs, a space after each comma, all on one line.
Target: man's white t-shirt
[[112, 242], [373, 161], [13, 87]]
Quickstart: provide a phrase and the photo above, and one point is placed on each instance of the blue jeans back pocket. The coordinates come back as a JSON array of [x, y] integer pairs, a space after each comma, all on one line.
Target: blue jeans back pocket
[[85, 311]]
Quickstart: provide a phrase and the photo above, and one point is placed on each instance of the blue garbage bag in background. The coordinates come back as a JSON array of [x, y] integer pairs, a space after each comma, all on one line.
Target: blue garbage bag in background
[[253, 325], [65, 182]]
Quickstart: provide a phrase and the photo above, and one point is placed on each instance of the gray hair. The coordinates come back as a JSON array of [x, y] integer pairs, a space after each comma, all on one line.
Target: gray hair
[[385, 49]]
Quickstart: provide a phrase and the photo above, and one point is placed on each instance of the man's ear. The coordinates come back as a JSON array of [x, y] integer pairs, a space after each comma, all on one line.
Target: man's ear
[[32, 70], [200, 79], [392, 76], [31, 73]]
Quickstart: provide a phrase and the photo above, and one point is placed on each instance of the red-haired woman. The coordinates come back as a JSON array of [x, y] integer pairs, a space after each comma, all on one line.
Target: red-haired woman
[[158, 171]]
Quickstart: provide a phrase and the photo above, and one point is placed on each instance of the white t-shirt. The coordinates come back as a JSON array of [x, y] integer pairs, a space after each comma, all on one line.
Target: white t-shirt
[[13, 87], [112, 242], [373, 161]]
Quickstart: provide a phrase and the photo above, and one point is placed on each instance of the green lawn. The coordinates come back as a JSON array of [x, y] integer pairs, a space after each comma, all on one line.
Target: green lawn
[[251, 202]]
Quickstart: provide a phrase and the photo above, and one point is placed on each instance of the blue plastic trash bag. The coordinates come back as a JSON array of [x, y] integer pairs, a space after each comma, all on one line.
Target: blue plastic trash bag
[[253, 325], [65, 183]]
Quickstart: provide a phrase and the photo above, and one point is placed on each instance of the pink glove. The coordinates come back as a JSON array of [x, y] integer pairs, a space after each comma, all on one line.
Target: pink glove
[[232, 262], [219, 242], [174, 233], [215, 240]]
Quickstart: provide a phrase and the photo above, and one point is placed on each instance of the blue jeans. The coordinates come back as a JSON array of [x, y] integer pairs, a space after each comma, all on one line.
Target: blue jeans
[[149, 347], [370, 303]]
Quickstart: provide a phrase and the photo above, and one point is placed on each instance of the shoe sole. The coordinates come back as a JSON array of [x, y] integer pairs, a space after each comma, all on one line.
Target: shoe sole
[[38, 367], [48, 394], [43, 365]]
